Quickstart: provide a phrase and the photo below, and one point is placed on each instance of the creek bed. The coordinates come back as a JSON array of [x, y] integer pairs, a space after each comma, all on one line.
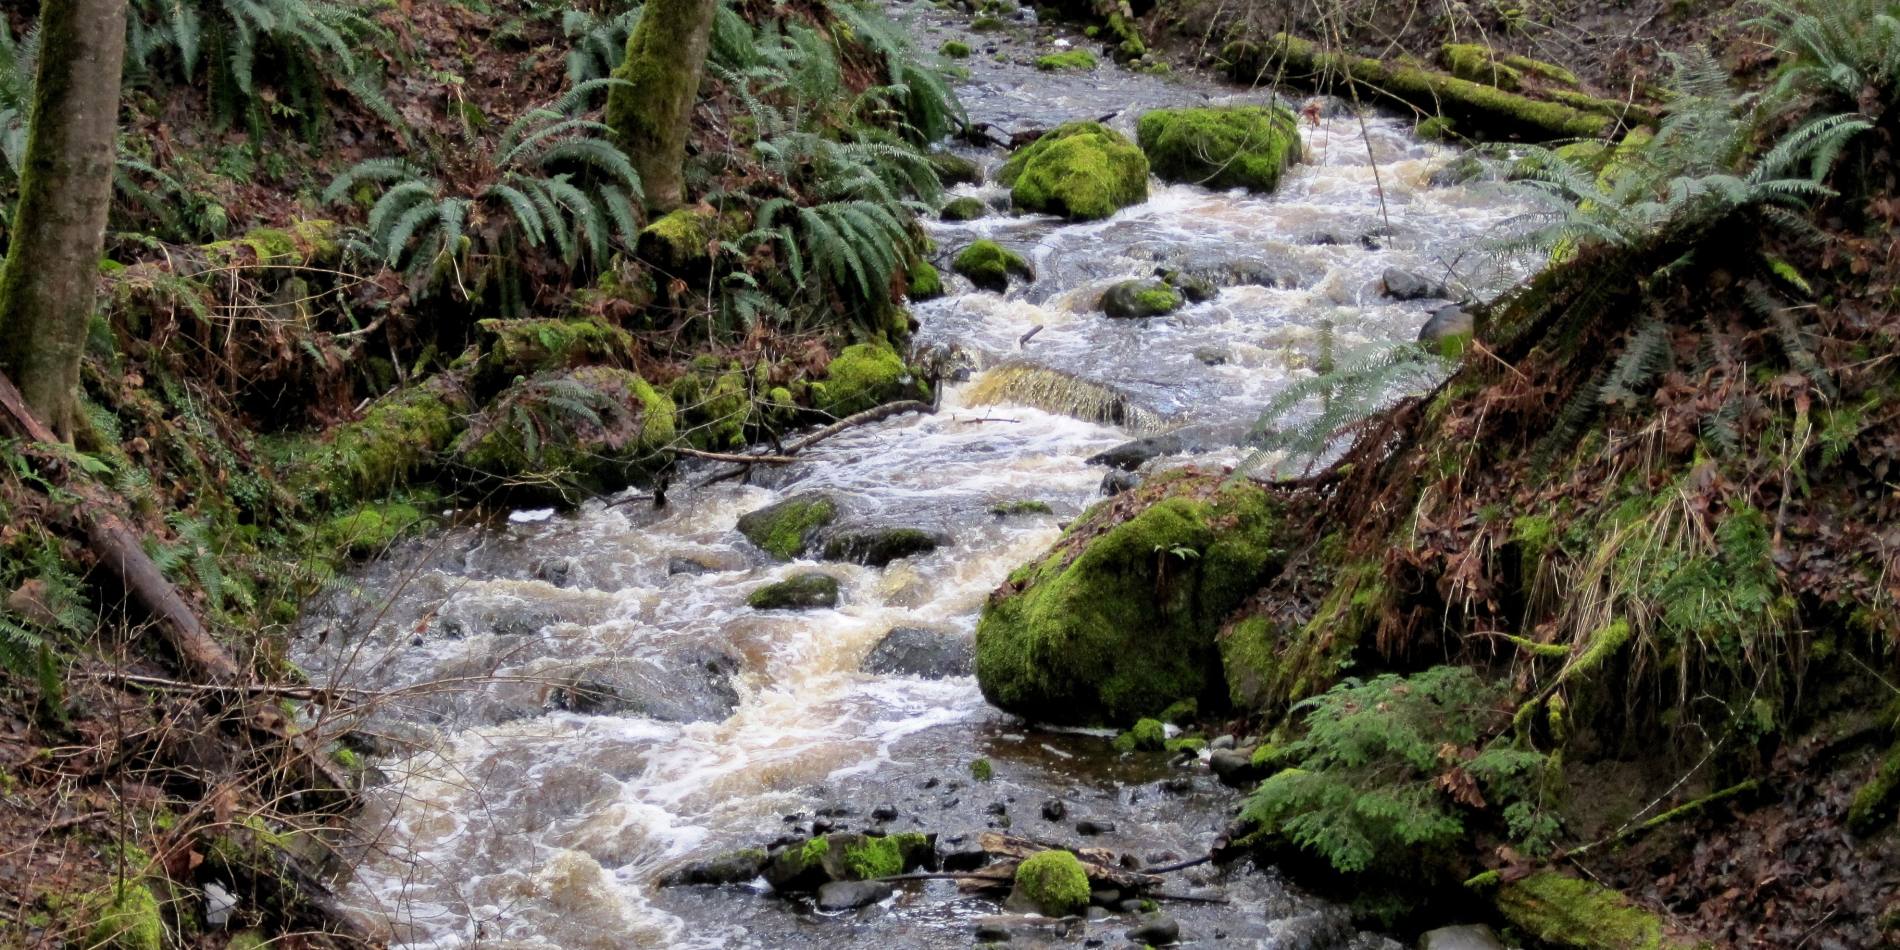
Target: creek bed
[[514, 815]]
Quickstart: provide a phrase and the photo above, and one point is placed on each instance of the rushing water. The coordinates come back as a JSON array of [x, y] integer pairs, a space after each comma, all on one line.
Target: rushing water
[[508, 820]]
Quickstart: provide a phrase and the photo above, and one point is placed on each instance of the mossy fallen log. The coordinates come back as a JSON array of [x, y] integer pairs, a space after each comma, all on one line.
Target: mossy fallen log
[[1480, 110]]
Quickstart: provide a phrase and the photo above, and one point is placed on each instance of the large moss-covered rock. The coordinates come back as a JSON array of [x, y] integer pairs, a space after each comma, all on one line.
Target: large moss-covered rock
[[1118, 621], [1574, 913], [1228, 147], [1082, 171], [989, 265], [563, 435], [865, 376], [790, 527], [1139, 299]]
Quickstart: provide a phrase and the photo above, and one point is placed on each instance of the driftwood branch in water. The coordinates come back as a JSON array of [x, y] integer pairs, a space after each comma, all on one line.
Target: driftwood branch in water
[[121, 551], [735, 457], [868, 416]]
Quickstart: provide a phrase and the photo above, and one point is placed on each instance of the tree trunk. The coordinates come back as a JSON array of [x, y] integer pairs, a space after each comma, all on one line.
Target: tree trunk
[[52, 267], [666, 56]]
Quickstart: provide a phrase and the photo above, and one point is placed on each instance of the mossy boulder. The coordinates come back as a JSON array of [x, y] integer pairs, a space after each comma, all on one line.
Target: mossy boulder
[[1051, 883], [848, 857], [1572, 913], [880, 545], [789, 528], [1118, 621], [925, 282], [989, 265], [1269, 664], [1224, 147], [954, 169], [398, 438], [1147, 735], [1140, 299], [563, 435], [964, 208], [524, 347], [1075, 59], [954, 49], [865, 376], [125, 916], [679, 242], [808, 591], [372, 528], [1082, 171]]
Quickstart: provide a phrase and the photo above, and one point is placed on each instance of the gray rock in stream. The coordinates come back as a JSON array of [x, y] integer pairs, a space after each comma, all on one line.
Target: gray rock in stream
[[807, 591], [1405, 285], [1446, 322], [1140, 299], [1157, 930], [851, 895], [920, 652], [692, 686], [877, 546], [1129, 456], [733, 867]]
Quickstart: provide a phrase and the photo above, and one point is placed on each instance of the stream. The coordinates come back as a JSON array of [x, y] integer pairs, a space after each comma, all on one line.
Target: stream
[[510, 814]]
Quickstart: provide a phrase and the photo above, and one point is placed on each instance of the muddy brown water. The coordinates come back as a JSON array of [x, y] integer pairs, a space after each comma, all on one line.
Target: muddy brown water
[[506, 816]]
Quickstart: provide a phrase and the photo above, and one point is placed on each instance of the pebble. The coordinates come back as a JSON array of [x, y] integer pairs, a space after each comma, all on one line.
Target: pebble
[[1055, 809], [997, 808], [884, 813], [1464, 937]]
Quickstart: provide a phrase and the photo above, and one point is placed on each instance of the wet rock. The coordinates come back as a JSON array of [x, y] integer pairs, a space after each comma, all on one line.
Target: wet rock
[[1092, 827], [996, 808], [963, 858], [1462, 937], [851, 895], [1405, 285], [1221, 742], [686, 565], [733, 867], [884, 813], [1235, 767], [1213, 355], [1096, 913], [789, 528], [806, 591], [915, 651], [1055, 809], [1105, 897], [555, 570], [879, 546], [1446, 322], [1156, 930], [694, 685], [1141, 299], [1116, 482], [990, 265], [1317, 930], [1221, 147], [954, 169], [1462, 170], [1082, 171], [963, 208], [847, 856], [1129, 456], [1195, 289]]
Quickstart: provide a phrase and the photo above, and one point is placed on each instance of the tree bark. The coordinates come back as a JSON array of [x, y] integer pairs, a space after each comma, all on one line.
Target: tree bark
[[650, 117], [52, 267]]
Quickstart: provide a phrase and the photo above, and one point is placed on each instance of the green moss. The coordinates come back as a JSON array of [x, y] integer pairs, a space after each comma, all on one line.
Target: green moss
[[1158, 299], [1020, 507], [1569, 912], [803, 592], [1537, 67], [371, 528], [1192, 744], [784, 530], [965, 208], [1081, 171], [563, 434], [1437, 129], [874, 857], [126, 917], [954, 49], [1181, 712], [525, 347], [924, 282], [1873, 804], [981, 770], [1147, 735], [398, 437], [348, 759], [1054, 883], [1473, 62], [248, 940], [862, 377], [989, 265], [679, 240], [1072, 59], [1227, 147], [988, 24], [1118, 621], [1268, 665]]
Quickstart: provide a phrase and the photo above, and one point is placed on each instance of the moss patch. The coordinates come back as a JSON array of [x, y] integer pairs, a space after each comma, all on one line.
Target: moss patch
[[559, 436], [1874, 804], [989, 265], [803, 592], [524, 347], [1118, 621], [1268, 665], [787, 529], [1080, 59], [1569, 912], [1053, 883], [369, 529], [954, 49], [398, 438], [126, 917], [1082, 171], [679, 241], [1147, 735], [862, 377], [964, 208], [1229, 147]]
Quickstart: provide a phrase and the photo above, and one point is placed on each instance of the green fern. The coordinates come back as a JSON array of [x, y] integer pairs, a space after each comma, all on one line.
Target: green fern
[[1347, 395], [1847, 50]]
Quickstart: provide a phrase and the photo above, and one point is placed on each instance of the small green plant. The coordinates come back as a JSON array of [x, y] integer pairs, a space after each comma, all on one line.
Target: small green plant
[[551, 179], [1846, 50], [1394, 766]]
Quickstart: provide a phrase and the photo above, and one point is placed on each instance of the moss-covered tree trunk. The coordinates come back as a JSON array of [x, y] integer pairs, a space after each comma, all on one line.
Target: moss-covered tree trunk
[[650, 117], [47, 287]]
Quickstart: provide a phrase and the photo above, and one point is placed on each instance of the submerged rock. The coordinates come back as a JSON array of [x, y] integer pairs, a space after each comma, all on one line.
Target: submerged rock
[[878, 546], [964, 208], [1118, 621], [851, 895], [1156, 930], [1140, 299], [1082, 171], [789, 528], [733, 867], [1129, 456], [1222, 147], [915, 651], [807, 591], [695, 686], [1405, 285]]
